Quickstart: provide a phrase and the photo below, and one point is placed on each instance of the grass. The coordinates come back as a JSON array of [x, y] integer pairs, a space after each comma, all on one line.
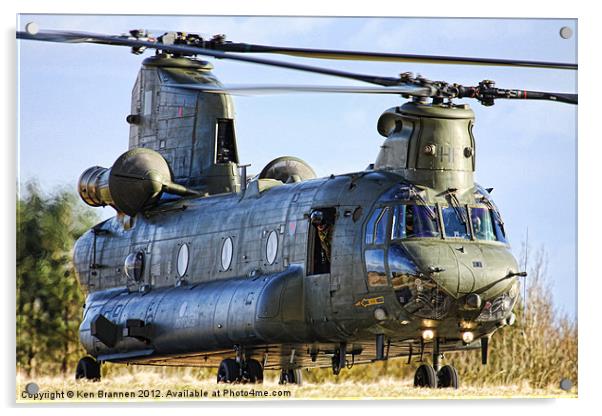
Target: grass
[[145, 386]]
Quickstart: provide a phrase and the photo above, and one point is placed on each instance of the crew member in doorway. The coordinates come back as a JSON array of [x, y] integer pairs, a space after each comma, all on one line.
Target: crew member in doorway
[[324, 228]]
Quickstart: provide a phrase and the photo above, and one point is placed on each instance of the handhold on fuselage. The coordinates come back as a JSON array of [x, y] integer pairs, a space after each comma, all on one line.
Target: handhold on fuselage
[[104, 330], [136, 328]]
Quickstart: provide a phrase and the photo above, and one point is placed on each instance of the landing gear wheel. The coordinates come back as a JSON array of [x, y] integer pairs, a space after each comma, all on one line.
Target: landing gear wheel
[[291, 376], [447, 377], [88, 368], [253, 372], [425, 376], [228, 371]]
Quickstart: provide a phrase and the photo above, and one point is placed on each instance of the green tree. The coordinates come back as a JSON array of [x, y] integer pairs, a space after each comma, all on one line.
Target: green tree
[[49, 298]]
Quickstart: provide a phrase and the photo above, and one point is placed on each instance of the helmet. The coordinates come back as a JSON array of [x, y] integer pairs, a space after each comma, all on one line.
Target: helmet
[[317, 218]]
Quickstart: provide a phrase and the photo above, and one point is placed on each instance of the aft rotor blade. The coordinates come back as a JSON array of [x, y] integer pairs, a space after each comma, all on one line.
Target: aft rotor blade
[[407, 89], [82, 37], [388, 57]]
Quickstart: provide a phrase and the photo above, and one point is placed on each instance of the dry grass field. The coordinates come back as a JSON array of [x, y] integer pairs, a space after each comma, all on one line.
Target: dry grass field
[[148, 386]]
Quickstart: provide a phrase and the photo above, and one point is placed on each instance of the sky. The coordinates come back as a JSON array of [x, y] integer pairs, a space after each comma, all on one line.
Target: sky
[[73, 99]]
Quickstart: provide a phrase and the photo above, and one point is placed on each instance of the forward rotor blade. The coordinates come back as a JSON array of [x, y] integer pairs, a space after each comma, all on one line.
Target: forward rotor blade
[[279, 89], [82, 37], [388, 57], [488, 94], [552, 96]]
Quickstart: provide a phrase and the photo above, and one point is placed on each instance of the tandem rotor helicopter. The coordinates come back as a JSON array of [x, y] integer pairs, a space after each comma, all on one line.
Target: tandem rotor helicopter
[[205, 266]]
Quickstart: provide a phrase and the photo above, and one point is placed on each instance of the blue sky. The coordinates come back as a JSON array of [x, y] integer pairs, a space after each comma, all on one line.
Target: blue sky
[[73, 100]]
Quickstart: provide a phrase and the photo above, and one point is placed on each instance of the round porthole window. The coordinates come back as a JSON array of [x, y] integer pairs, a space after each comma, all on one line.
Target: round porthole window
[[133, 266], [227, 253], [271, 247], [182, 264]]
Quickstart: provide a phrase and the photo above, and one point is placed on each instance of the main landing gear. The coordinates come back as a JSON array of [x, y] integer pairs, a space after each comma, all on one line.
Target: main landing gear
[[435, 375], [88, 368], [243, 371]]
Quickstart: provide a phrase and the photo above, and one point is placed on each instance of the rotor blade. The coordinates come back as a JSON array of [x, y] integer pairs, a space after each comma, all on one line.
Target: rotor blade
[[276, 89], [388, 57], [408, 89], [82, 37], [487, 95], [551, 96]]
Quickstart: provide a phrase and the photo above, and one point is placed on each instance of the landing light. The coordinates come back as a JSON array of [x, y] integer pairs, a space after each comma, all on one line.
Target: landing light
[[428, 334], [380, 314], [467, 337]]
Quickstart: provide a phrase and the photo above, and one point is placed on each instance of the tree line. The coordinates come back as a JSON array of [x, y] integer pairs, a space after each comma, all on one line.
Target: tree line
[[49, 300]]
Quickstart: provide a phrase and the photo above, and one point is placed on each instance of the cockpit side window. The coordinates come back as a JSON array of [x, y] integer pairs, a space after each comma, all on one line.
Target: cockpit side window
[[454, 222], [402, 268], [374, 256], [498, 225], [483, 196], [376, 229], [371, 224], [375, 267], [482, 223]]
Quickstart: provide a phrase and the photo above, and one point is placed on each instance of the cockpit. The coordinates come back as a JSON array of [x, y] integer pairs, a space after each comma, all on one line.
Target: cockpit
[[403, 224]]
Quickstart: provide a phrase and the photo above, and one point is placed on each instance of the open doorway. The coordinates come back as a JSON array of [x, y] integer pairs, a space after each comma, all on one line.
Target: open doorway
[[319, 245]]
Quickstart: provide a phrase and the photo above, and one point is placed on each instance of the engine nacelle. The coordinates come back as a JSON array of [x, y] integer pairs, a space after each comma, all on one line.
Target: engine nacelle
[[135, 182], [287, 169]]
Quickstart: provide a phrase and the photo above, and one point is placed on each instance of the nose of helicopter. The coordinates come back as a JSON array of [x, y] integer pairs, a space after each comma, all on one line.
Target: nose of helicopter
[[482, 269], [463, 268]]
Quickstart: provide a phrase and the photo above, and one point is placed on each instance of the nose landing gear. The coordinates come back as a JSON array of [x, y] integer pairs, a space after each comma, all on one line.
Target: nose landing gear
[[436, 375], [447, 376], [291, 376], [425, 376]]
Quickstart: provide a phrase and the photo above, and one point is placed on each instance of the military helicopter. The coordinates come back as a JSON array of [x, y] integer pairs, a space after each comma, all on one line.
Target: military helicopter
[[205, 266]]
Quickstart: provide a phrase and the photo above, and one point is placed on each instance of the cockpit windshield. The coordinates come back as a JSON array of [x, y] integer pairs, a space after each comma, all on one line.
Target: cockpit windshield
[[454, 221], [414, 221], [404, 212]]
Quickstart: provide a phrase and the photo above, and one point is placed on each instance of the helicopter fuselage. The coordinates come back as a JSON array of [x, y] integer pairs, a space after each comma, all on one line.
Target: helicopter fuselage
[[246, 270]]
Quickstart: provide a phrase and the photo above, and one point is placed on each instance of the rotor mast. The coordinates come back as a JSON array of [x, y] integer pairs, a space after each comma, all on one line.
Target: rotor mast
[[430, 144]]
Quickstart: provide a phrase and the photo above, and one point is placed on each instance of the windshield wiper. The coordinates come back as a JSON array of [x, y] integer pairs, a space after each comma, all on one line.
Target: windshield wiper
[[455, 203], [417, 195]]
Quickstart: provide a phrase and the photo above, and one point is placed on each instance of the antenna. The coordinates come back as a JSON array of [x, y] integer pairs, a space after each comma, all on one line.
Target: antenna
[[526, 260]]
